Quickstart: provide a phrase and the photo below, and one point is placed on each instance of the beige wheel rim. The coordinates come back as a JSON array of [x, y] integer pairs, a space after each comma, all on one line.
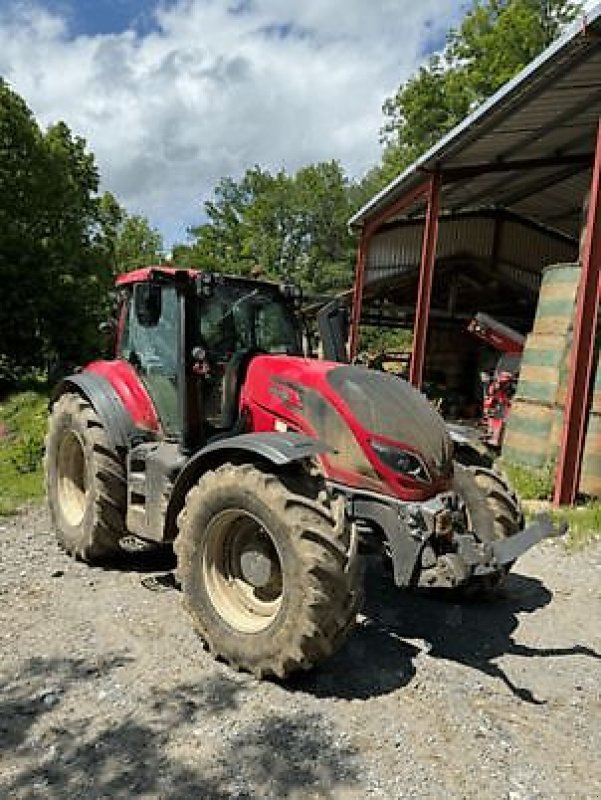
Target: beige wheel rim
[[72, 479], [242, 571]]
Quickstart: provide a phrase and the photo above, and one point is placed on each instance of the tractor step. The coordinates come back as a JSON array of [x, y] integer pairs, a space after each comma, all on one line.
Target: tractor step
[[151, 470]]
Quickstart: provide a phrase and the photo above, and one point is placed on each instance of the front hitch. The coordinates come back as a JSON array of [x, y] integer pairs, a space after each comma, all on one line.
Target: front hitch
[[489, 557], [412, 531], [505, 551], [476, 559]]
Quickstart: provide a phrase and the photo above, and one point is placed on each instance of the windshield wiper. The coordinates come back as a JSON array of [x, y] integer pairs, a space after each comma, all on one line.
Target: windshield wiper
[[239, 301]]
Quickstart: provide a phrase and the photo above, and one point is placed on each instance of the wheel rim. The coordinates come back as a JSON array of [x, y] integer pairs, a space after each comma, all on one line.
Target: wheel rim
[[72, 481], [242, 571]]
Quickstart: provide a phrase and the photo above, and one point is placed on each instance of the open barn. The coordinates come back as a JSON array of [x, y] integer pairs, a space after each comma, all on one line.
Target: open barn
[[472, 225]]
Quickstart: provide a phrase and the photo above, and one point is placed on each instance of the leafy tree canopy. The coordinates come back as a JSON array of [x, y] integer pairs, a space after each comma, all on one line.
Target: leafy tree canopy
[[60, 243], [278, 225], [496, 39], [50, 274], [131, 240]]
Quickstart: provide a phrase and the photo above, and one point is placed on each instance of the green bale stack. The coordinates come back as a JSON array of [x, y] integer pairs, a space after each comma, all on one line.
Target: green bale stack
[[528, 438], [555, 309], [541, 368], [535, 424], [535, 421]]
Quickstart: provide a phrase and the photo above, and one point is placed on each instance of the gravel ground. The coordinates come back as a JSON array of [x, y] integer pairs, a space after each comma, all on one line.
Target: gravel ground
[[105, 692]]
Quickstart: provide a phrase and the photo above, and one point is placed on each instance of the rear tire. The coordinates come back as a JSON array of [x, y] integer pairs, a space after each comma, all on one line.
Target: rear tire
[[269, 572], [85, 481]]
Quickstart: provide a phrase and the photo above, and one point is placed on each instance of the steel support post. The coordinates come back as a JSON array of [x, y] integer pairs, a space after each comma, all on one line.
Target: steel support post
[[358, 292], [369, 229], [583, 348], [424, 289]]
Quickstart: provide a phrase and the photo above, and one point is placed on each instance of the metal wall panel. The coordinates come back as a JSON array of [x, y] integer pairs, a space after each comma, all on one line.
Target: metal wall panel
[[395, 251], [521, 248], [532, 249]]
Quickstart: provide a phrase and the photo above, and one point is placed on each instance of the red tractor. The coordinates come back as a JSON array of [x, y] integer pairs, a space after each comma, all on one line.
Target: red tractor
[[269, 472]]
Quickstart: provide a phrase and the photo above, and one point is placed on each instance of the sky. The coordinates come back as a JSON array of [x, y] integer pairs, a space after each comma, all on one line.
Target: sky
[[173, 95]]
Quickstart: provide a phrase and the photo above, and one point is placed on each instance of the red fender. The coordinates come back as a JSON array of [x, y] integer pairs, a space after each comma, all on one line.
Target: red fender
[[126, 382]]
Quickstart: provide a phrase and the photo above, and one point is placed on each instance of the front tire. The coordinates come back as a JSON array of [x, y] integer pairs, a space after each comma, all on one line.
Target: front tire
[[492, 505], [269, 572], [85, 481], [493, 512]]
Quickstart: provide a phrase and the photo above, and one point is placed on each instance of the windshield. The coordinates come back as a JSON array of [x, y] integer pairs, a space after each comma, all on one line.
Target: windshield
[[247, 316]]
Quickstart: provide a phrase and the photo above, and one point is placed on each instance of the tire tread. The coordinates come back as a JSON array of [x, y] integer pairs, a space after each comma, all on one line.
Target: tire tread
[[332, 581]]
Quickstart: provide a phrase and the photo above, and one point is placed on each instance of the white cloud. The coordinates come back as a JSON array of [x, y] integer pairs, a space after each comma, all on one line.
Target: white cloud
[[211, 92]]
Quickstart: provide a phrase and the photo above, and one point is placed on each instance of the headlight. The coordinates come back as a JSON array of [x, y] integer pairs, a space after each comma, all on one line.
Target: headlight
[[402, 461]]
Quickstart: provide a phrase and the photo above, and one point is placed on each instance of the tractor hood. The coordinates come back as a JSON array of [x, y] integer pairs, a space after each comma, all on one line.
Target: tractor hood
[[390, 407], [358, 411]]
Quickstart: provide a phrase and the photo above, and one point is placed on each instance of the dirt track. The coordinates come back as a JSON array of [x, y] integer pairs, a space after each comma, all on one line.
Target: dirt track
[[105, 692]]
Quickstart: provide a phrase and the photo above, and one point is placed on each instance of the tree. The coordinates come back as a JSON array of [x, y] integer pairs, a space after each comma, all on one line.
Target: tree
[[110, 219], [75, 278], [137, 244], [218, 245], [54, 270], [285, 226], [22, 227], [126, 241], [325, 195], [496, 39]]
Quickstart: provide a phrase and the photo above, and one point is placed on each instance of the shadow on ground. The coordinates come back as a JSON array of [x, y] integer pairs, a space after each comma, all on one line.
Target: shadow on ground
[[397, 626], [143, 558], [56, 746], [379, 656]]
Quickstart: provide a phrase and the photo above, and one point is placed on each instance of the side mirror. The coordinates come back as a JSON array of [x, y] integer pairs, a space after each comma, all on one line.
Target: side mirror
[[147, 304], [333, 328]]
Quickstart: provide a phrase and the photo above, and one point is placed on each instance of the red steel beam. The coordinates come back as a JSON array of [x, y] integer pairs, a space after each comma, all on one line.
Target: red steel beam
[[358, 292], [424, 289], [369, 229], [583, 347]]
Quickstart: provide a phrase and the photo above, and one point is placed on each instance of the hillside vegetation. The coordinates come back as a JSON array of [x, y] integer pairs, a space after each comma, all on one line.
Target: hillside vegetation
[[22, 427]]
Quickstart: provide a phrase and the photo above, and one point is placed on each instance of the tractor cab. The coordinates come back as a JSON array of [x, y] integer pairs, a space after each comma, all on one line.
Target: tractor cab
[[190, 337]]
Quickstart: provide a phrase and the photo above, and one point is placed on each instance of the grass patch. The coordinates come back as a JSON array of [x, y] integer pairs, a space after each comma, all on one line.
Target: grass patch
[[584, 523], [22, 428], [584, 520], [528, 482]]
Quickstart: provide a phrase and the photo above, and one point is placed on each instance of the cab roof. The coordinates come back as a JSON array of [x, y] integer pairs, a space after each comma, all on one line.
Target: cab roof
[[149, 273], [144, 274]]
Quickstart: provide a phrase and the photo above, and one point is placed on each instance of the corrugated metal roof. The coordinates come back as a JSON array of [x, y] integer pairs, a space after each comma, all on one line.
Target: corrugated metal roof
[[549, 111]]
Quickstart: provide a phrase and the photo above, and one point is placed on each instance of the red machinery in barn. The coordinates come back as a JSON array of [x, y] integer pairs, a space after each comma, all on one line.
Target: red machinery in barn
[[499, 384]]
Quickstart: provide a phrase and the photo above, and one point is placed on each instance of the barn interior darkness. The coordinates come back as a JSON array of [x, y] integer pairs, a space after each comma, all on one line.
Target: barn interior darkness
[[489, 262]]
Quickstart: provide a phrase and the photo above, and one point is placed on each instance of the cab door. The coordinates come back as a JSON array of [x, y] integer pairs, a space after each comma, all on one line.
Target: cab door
[[149, 342]]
